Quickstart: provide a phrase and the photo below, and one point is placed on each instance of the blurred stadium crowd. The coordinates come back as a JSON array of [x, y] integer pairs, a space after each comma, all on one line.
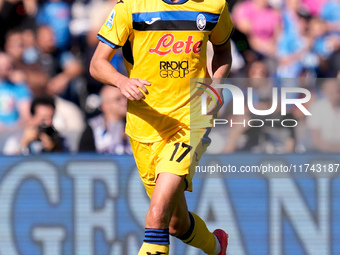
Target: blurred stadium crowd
[[46, 47]]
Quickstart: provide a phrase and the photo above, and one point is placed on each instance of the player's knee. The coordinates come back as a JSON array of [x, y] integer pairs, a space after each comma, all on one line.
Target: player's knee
[[158, 214]]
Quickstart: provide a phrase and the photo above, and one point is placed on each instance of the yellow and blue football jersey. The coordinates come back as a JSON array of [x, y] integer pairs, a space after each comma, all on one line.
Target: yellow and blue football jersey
[[165, 44]]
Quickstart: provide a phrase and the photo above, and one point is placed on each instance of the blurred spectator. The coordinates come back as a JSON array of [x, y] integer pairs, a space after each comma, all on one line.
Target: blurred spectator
[[291, 46], [57, 15], [295, 44], [324, 44], [330, 14], [303, 136], [39, 135], [68, 117], [105, 132], [14, 47], [260, 23], [21, 48], [283, 38], [270, 138], [314, 7], [37, 61], [334, 64], [15, 14], [325, 120], [62, 67], [95, 23], [30, 54], [14, 97], [69, 120]]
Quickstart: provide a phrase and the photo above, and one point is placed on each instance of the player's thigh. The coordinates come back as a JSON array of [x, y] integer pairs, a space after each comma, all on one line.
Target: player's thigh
[[145, 161], [165, 197], [178, 154]]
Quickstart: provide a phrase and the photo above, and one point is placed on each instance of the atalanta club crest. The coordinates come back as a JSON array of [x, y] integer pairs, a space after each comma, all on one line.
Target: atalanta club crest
[[201, 21]]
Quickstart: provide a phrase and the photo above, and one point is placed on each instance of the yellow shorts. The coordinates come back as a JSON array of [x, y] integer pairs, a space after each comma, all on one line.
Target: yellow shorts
[[176, 154]]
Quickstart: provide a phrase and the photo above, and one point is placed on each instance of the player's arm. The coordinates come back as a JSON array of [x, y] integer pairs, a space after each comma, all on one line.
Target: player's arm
[[221, 61], [102, 70], [221, 64], [220, 39]]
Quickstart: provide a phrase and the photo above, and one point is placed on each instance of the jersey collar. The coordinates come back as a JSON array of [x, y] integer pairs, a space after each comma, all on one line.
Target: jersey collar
[[179, 2]]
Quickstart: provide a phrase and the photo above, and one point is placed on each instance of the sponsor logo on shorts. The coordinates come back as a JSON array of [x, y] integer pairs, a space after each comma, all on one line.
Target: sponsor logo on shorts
[[167, 44], [173, 69]]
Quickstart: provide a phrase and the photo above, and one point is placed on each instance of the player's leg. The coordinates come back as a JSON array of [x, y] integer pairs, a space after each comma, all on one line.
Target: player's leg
[[196, 233], [164, 200], [192, 230], [156, 241], [167, 197]]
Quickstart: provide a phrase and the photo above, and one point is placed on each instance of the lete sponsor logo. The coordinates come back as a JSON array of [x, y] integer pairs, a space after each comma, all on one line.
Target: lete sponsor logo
[[167, 44]]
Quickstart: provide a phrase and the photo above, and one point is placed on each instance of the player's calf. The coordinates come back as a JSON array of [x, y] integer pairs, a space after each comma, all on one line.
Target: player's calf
[[200, 237], [164, 200]]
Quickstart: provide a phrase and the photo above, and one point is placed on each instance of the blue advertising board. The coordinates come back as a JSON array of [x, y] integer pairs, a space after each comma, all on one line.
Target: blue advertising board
[[88, 204]]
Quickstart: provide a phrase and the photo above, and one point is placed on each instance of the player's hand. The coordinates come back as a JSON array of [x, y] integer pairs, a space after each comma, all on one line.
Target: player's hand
[[214, 108], [132, 88]]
